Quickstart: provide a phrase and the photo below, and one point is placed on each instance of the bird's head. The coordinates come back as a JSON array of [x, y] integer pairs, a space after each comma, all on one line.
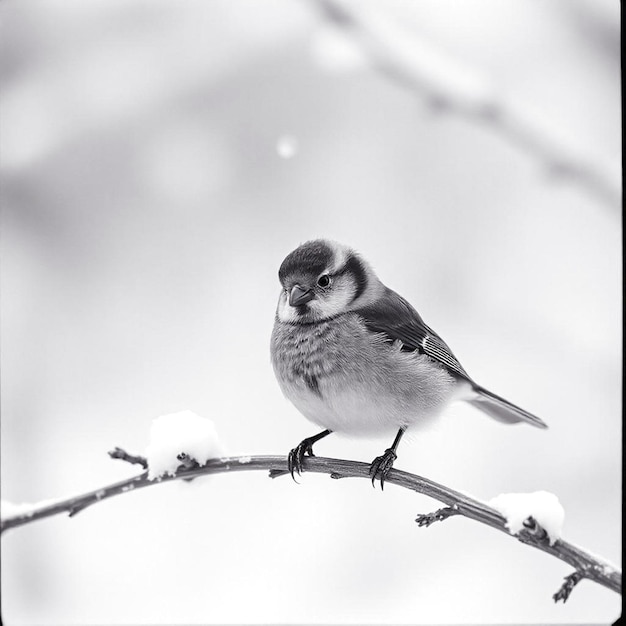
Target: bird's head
[[322, 279]]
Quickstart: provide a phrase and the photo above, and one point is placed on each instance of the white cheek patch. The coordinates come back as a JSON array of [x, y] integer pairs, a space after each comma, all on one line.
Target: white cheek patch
[[334, 302], [285, 312]]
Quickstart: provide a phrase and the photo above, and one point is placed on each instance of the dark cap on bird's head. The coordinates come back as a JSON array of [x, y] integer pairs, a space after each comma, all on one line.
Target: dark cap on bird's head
[[311, 258]]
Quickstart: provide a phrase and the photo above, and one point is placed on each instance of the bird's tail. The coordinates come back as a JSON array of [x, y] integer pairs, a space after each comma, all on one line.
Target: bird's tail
[[502, 410]]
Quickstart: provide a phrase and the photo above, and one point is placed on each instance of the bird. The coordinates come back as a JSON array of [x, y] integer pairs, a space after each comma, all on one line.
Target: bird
[[355, 358]]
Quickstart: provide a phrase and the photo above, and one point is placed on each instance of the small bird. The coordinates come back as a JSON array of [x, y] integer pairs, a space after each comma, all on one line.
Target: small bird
[[355, 357]]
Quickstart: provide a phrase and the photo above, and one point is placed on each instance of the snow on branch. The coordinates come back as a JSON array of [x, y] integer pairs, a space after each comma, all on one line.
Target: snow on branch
[[531, 533], [452, 87]]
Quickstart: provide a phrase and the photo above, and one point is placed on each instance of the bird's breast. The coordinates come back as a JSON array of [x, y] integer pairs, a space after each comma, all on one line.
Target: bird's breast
[[347, 379], [304, 354]]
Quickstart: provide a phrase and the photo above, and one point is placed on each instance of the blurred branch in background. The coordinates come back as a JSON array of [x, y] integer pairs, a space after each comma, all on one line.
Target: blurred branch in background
[[586, 565], [451, 87]]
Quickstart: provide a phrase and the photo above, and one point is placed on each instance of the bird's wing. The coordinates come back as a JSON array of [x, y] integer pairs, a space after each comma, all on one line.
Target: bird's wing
[[392, 316]]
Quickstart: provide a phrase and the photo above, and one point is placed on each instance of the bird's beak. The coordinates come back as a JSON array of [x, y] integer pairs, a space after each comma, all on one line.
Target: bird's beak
[[299, 295]]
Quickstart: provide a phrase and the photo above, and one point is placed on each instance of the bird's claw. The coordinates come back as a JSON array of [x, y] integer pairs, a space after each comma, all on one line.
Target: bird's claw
[[381, 466], [295, 458]]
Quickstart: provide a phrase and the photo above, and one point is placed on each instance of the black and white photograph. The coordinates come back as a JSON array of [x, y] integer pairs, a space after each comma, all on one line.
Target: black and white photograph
[[310, 312]]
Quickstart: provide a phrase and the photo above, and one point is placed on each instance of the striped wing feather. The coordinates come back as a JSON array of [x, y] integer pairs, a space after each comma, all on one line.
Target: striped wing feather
[[395, 318]]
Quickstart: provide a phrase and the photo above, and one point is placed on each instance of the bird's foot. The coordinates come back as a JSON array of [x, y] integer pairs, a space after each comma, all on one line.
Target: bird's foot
[[381, 466], [296, 456]]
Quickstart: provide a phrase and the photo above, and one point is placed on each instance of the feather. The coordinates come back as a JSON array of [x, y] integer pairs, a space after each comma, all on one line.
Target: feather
[[392, 316], [502, 410]]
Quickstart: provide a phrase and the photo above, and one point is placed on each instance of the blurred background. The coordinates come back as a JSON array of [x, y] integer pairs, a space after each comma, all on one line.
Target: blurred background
[[159, 159]]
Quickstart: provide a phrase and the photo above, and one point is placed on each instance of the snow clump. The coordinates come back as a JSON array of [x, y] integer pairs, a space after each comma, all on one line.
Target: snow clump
[[177, 433], [544, 507]]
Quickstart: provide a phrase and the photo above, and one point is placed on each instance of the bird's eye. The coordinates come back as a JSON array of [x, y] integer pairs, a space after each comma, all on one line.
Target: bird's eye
[[323, 280]]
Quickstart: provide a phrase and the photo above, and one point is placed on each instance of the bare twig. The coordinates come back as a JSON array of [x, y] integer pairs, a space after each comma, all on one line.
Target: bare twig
[[118, 453], [586, 565], [566, 588], [426, 519], [451, 87]]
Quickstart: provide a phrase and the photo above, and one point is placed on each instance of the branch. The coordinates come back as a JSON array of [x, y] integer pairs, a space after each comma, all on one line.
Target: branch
[[118, 453], [452, 88], [585, 564]]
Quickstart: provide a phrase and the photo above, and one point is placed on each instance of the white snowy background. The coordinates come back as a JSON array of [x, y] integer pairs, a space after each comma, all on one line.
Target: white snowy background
[[159, 159]]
